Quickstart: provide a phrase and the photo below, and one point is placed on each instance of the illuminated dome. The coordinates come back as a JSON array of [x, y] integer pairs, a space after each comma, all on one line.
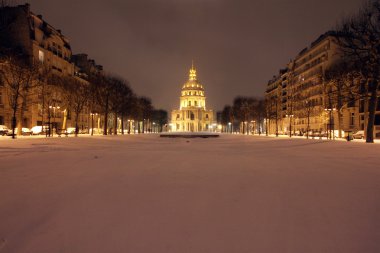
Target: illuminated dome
[[192, 87], [192, 115]]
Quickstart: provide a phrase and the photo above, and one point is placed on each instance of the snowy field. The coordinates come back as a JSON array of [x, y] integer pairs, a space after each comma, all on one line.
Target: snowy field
[[145, 194]]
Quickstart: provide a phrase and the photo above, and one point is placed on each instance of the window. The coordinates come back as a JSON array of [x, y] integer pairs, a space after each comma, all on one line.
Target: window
[[1, 99], [195, 103], [1, 120], [189, 104], [192, 116], [206, 116], [41, 56], [377, 119], [352, 119]]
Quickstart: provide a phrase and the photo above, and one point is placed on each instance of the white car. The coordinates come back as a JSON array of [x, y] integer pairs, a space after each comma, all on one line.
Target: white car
[[39, 130], [70, 130], [24, 131], [4, 130], [358, 135]]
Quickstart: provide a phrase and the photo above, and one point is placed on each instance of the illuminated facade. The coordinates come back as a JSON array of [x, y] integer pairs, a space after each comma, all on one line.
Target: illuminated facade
[[192, 115]]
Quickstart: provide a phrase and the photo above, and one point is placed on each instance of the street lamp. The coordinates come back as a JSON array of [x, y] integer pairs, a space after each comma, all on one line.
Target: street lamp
[[290, 116], [230, 127], [330, 126]]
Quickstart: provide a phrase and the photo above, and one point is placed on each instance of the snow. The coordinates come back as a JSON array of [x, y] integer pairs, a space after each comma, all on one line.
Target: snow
[[143, 193], [190, 134]]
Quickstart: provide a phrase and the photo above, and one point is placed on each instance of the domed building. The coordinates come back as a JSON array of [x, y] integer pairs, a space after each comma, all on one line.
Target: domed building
[[192, 115]]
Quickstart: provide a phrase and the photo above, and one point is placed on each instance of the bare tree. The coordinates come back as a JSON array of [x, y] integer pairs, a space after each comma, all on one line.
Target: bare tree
[[359, 39], [342, 88], [76, 94], [228, 118], [243, 109], [18, 76], [146, 109]]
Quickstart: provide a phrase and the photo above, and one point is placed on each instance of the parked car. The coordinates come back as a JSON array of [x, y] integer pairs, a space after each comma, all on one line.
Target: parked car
[[36, 130], [3, 130], [24, 131], [358, 135], [70, 130]]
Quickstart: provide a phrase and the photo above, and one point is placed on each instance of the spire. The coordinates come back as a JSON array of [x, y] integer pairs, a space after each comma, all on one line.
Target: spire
[[193, 73]]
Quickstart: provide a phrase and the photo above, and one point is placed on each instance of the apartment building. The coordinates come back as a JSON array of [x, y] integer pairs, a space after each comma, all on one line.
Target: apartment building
[[30, 35], [277, 102], [303, 89]]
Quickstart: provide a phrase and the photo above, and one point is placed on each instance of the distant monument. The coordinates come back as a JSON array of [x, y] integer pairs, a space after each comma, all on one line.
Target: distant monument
[[192, 115]]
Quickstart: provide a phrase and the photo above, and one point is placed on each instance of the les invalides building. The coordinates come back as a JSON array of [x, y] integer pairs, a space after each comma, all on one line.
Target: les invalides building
[[192, 115]]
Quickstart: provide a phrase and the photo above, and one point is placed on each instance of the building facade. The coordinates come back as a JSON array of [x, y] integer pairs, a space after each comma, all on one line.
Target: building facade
[[192, 115], [298, 97], [30, 35]]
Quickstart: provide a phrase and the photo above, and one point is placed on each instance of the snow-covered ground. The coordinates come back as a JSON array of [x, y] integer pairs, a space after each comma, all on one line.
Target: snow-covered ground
[[145, 194]]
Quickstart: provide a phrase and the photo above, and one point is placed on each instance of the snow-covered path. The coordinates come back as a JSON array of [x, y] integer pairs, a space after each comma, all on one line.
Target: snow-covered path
[[145, 194]]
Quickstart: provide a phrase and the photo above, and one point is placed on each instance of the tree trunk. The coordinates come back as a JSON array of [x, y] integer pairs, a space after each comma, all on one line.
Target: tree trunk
[[98, 124], [105, 128], [14, 119], [371, 112], [366, 114], [339, 123], [122, 124], [115, 124], [20, 119], [76, 124]]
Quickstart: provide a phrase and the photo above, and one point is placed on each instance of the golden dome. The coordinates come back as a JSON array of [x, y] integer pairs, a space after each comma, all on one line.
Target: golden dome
[[192, 84]]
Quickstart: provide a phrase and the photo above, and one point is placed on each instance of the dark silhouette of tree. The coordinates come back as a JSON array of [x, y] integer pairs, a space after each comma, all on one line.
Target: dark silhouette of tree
[[120, 100], [359, 40], [145, 110], [243, 109], [342, 88], [160, 118], [227, 118], [76, 96]]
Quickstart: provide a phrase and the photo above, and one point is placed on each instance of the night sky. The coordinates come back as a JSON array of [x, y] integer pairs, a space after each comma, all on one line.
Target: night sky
[[236, 45]]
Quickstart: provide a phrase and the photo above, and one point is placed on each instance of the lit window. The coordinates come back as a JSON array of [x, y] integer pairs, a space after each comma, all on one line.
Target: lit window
[[41, 56]]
